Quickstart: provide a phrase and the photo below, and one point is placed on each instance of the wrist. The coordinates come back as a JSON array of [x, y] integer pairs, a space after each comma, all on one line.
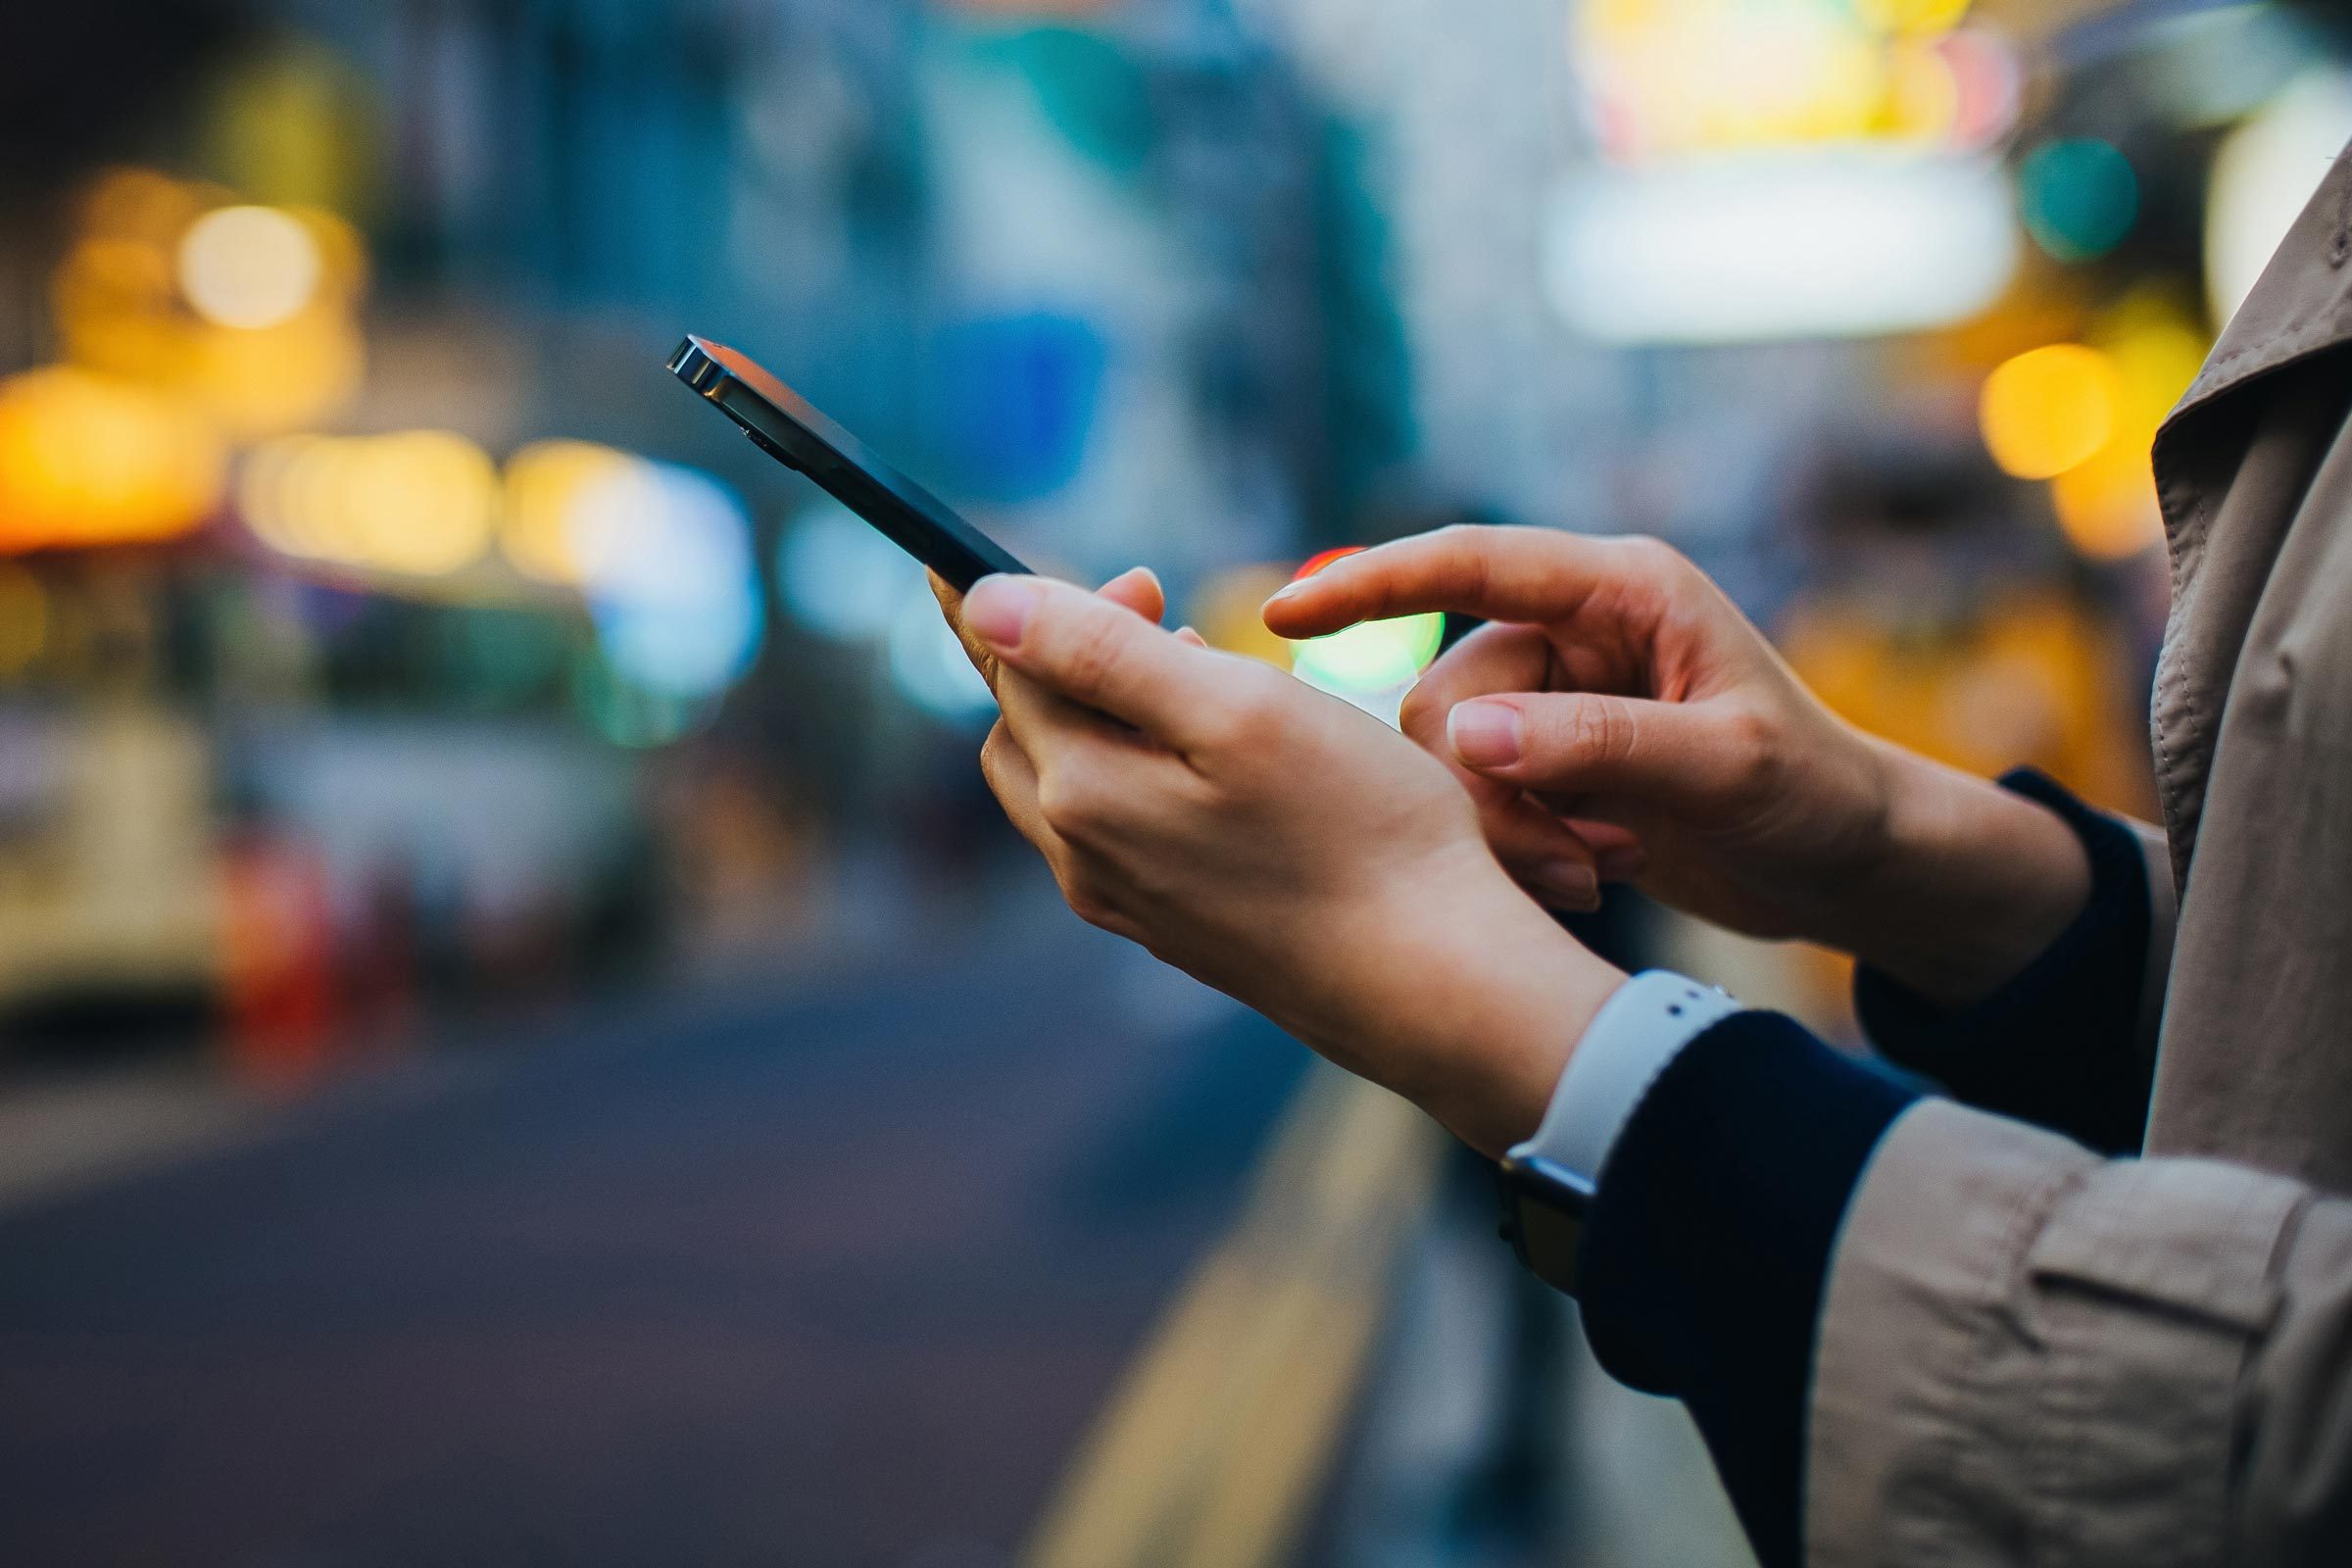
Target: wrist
[[1970, 883], [1521, 993]]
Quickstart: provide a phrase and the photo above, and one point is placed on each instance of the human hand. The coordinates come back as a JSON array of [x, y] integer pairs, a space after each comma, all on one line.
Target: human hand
[[1620, 691], [1281, 846]]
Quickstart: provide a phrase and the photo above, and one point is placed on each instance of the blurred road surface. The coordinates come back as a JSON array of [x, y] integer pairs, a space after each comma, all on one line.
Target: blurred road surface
[[827, 1272]]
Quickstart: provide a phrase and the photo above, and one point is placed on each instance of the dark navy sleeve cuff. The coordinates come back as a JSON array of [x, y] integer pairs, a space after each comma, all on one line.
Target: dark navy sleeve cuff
[[1704, 1260], [2059, 1045]]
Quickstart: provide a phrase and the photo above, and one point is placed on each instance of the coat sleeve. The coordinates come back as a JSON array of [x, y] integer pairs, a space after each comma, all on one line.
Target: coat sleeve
[[2028, 1353], [1914, 1332], [2071, 1043]]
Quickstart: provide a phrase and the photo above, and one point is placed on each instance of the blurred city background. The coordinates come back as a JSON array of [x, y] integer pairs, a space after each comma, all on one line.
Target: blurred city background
[[522, 1035]]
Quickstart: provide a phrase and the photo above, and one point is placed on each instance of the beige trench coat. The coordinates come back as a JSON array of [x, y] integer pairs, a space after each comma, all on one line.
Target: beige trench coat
[[2030, 1354]]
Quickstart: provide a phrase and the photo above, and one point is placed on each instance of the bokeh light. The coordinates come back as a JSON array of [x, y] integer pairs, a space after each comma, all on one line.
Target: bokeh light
[[247, 267], [627, 715], [1229, 611], [1373, 657], [2107, 505], [545, 483], [839, 578], [419, 504], [1912, 17], [666, 558], [1778, 246], [2264, 174], [248, 314], [929, 667], [1673, 79], [2079, 197], [88, 459], [2049, 409]]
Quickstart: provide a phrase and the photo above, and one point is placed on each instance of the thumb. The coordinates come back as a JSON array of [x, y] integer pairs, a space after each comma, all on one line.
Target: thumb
[[1679, 755]]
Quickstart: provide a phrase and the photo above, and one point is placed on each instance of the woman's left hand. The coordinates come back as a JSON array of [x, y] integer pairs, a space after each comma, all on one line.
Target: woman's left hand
[[1279, 845]]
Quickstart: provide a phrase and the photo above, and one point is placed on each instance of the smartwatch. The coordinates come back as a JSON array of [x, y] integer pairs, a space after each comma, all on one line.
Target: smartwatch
[[1550, 1181]]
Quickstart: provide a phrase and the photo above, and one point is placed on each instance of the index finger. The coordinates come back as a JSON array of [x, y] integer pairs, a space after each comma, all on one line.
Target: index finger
[[1498, 572]]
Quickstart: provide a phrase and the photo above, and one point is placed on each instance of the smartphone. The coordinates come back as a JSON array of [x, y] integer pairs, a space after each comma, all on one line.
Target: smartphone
[[788, 428]]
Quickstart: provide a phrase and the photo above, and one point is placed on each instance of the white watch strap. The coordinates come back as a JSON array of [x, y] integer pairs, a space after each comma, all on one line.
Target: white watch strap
[[1641, 1028]]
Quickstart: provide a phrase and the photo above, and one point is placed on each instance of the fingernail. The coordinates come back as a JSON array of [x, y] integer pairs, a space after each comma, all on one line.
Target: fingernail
[[998, 609], [1566, 884], [1289, 590], [1485, 734]]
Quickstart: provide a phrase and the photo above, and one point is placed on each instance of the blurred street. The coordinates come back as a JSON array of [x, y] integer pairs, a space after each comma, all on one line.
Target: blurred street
[[826, 1272]]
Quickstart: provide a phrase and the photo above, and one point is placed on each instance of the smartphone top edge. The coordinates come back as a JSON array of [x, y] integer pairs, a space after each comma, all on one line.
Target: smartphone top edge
[[692, 362]]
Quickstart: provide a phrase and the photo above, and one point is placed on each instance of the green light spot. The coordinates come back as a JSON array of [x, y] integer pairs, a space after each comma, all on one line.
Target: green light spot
[[1374, 657]]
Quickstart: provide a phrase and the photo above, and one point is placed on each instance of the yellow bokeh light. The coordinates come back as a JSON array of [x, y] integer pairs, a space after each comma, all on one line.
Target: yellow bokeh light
[[255, 383], [2107, 506], [546, 485], [1925, 96], [420, 503], [424, 504], [247, 313], [1676, 77], [2050, 409], [249, 266], [1912, 19], [1229, 612], [2107, 503], [141, 205], [85, 459]]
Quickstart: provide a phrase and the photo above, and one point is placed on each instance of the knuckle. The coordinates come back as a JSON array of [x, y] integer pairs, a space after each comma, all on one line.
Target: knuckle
[[1750, 749], [1070, 806], [1655, 557], [1595, 732], [997, 756], [1086, 899], [1258, 715], [1246, 718]]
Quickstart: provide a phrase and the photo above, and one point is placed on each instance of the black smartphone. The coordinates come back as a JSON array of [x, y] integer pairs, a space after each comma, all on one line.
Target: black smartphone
[[788, 428]]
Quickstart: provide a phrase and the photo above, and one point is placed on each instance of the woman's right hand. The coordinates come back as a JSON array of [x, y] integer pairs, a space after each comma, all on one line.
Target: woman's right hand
[[1621, 691]]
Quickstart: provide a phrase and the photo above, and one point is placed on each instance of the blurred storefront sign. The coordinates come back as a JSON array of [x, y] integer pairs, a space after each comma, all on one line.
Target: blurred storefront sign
[[1780, 246], [1009, 402]]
